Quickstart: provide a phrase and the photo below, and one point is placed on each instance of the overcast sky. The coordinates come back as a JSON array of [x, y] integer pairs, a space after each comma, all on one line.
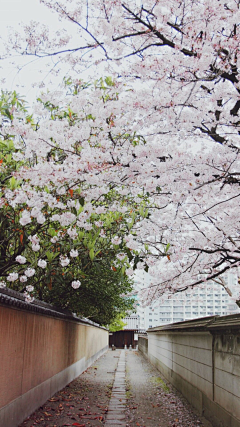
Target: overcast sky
[[12, 13]]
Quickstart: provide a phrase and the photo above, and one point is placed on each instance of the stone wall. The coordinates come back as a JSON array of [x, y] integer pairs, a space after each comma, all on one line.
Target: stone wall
[[42, 350], [201, 359]]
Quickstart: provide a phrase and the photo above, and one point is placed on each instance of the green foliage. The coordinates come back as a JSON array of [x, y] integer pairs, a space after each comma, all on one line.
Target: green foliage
[[99, 296], [100, 262], [10, 104], [117, 324], [103, 279]]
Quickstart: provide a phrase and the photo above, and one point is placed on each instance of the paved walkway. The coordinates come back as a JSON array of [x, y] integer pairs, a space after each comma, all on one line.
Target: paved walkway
[[117, 404], [120, 389]]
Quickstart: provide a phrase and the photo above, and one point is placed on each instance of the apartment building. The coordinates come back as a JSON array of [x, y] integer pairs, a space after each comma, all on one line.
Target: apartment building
[[208, 300]]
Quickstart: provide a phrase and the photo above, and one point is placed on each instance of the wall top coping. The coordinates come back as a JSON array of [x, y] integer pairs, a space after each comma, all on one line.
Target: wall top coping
[[16, 300], [212, 324]]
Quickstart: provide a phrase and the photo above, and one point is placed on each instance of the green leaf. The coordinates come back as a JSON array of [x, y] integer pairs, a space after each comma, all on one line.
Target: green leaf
[[52, 232], [146, 213], [167, 247], [12, 182], [123, 269], [80, 209], [10, 145], [109, 81], [51, 256], [81, 201], [91, 254]]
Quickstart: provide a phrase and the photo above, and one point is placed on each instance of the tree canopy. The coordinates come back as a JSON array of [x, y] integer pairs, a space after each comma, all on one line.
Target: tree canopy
[[165, 133], [59, 243]]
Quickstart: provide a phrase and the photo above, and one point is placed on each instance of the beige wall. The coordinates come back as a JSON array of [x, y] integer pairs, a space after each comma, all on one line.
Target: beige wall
[[40, 354], [204, 366], [143, 345]]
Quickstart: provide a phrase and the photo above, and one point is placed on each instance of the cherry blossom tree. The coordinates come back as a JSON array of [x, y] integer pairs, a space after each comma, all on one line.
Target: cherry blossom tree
[[62, 237], [172, 125]]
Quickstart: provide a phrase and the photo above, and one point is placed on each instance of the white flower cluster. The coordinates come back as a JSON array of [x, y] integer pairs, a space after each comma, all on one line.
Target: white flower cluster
[[72, 233], [21, 259], [76, 284], [64, 261], [73, 253], [116, 240], [121, 256], [30, 272], [42, 263], [67, 218], [28, 297], [35, 242], [98, 223], [12, 277], [25, 218]]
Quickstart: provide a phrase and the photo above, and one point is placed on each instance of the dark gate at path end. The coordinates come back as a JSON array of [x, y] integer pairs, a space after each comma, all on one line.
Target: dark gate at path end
[[123, 338]]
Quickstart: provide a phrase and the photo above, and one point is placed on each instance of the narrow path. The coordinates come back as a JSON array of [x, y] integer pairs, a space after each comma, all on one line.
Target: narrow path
[[117, 405], [82, 403], [120, 389], [152, 401]]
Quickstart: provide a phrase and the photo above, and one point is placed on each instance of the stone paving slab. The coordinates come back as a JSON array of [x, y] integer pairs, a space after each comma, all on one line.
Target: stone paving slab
[[117, 415], [116, 408]]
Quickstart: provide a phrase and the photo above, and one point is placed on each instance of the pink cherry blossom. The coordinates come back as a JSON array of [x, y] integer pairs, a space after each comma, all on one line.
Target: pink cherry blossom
[[164, 137]]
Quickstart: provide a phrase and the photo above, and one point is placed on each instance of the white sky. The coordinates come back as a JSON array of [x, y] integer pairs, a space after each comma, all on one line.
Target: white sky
[[12, 13]]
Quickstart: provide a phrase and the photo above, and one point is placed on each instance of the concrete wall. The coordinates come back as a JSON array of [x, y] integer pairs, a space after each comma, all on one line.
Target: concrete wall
[[227, 373], [40, 354], [202, 360], [143, 344]]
